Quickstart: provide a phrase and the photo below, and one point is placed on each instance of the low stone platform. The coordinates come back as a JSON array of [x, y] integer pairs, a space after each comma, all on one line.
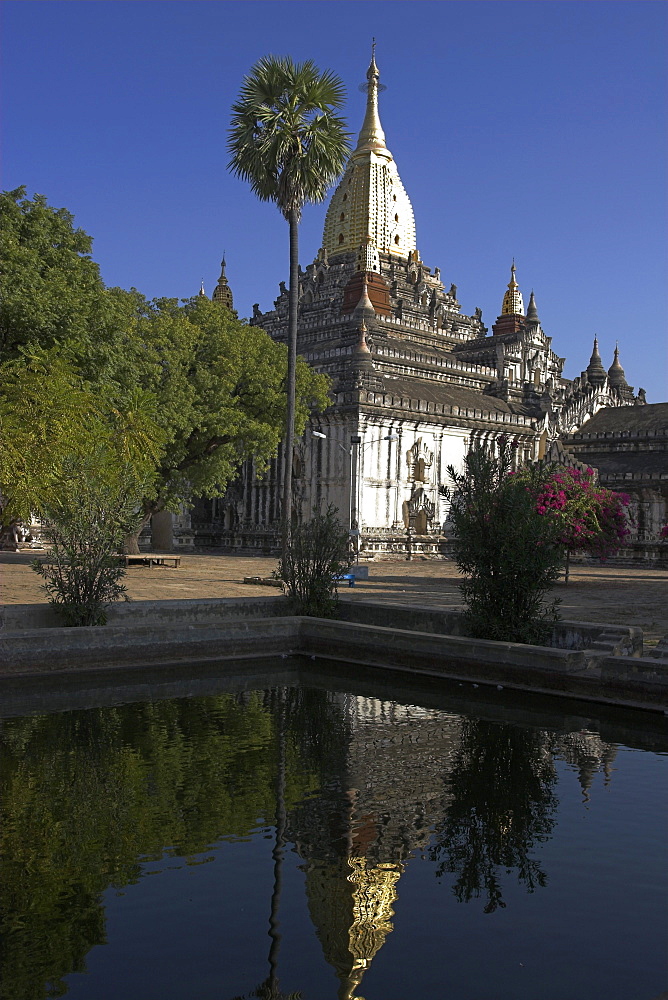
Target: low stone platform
[[171, 617], [595, 663]]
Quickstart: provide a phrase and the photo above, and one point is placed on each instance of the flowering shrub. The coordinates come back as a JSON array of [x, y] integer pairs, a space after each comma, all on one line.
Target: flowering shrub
[[508, 552], [588, 517], [510, 531]]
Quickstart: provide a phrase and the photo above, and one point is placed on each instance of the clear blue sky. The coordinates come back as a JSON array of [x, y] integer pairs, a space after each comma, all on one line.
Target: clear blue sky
[[526, 129]]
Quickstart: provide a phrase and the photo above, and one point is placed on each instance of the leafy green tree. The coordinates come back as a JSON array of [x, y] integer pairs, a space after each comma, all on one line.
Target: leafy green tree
[[70, 455], [506, 549], [289, 144], [53, 424], [219, 386], [50, 287], [186, 392]]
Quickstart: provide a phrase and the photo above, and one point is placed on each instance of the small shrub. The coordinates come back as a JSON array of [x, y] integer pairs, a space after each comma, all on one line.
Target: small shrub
[[319, 554], [85, 527]]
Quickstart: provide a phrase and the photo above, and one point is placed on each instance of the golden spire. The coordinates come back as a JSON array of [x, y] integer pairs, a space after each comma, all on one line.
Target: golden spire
[[370, 207], [222, 292], [513, 304], [371, 134]]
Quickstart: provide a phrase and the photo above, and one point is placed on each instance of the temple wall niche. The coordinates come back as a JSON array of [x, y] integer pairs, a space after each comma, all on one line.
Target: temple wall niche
[[388, 478]]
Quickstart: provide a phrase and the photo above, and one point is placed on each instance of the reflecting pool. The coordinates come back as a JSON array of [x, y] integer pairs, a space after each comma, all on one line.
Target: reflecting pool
[[333, 841]]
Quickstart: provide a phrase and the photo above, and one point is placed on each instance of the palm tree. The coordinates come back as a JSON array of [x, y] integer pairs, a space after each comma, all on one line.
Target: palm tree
[[287, 142]]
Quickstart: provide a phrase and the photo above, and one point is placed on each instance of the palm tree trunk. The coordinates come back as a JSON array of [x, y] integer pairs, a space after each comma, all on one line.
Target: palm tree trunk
[[278, 852], [288, 444]]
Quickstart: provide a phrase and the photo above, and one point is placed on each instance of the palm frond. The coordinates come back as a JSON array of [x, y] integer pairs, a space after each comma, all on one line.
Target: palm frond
[[285, 137]]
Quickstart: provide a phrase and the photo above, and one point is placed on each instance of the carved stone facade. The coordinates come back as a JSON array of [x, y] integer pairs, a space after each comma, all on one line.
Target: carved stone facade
[[414, 380]]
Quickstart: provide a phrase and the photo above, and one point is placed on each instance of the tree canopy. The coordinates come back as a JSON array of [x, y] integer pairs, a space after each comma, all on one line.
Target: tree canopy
[[180, 393], [52, 291], [285, 138], [219, 386], [55, 425]]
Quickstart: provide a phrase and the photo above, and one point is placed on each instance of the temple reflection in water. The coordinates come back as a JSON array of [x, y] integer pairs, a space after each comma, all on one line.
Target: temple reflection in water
[[401, 771], [356, 786]]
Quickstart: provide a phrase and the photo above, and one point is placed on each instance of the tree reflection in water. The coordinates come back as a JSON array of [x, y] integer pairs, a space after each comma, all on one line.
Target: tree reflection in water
[[502, 805], [270, 989]]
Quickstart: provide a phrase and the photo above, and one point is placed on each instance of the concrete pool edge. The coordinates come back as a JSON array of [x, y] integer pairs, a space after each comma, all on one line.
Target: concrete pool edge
[[608, 671]]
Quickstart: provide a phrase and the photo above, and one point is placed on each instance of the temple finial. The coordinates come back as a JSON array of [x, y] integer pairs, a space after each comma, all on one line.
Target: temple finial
[[372, 65], [616, 374], [371, 134], [532, 311], [364, 307], [513, 303], [222, 292], [596, 374]]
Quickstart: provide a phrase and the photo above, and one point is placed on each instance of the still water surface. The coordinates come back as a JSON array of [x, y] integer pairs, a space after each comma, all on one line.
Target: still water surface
[[314, 843]]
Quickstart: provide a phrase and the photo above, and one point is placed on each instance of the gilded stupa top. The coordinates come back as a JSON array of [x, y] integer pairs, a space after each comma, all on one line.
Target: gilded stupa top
[[370, 206], [371, 134], [222, 292], [513, 304]]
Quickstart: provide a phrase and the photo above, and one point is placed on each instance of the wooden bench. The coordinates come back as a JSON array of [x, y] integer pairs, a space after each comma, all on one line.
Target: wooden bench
[[148, 559], [174, 561]]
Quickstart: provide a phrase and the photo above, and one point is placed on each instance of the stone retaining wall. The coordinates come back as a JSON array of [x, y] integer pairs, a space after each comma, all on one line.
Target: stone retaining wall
[[223, 632]]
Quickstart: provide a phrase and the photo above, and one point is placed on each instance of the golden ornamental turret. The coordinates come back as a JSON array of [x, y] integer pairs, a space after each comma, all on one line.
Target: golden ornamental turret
[[370, 211], [513, 304], [512, 318], [222, 292]]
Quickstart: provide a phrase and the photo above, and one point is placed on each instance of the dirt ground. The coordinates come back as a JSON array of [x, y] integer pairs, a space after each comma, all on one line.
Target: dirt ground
[[594, 593]]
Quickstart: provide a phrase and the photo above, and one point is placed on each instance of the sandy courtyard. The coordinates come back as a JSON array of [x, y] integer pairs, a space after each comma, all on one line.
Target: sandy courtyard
[[595, 593]]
